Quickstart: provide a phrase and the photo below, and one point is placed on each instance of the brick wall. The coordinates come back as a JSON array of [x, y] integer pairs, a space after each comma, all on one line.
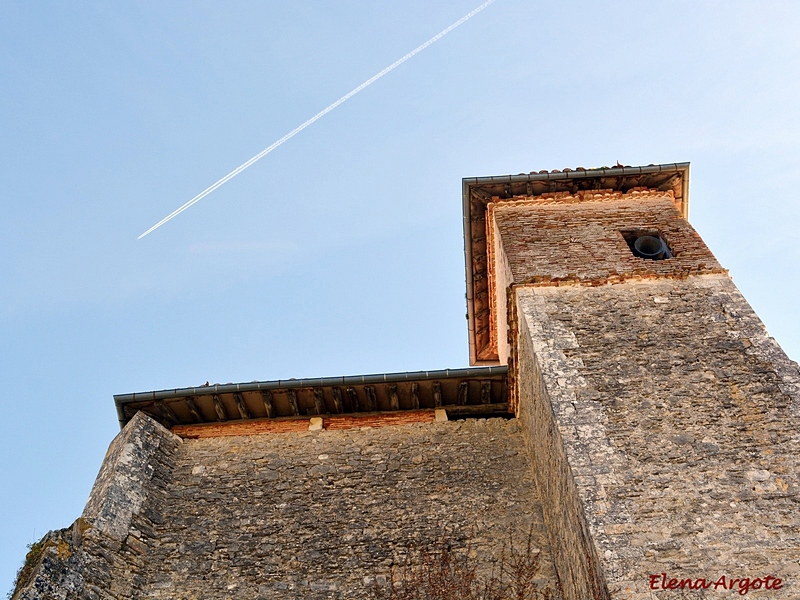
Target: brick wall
[[577, 239], [287, 425]]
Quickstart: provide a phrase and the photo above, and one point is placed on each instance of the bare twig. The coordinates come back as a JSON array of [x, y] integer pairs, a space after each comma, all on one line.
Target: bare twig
[[444, 574]]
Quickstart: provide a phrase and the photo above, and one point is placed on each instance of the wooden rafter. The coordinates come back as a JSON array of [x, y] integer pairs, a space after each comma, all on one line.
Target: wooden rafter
[[167, 413], [269, 403], [371, 402], [394, 399], [241, 406], [338, 405], [292, 395], [190, 404], [353, 396], [486, 391], [437, 394], [219, 408], [451, 390], [415, 396], [319, 401], [463, 391]]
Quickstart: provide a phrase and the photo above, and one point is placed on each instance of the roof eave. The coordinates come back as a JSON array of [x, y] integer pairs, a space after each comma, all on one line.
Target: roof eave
[[121, 400]]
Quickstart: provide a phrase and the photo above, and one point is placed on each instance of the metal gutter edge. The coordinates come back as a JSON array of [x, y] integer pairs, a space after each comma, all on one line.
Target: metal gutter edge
[[120, 414], [121, 399], [467, 223]]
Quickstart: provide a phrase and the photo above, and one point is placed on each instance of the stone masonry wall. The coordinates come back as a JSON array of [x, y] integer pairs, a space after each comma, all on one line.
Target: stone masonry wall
[[301, 514], [319, 514], [680, 422], [103, 554], [540, 374]]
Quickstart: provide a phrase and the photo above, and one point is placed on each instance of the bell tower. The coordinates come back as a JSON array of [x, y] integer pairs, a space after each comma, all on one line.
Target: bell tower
[[661, 417]]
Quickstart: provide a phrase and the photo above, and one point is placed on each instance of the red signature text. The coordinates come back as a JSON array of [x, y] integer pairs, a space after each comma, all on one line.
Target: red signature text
[[741, 584]]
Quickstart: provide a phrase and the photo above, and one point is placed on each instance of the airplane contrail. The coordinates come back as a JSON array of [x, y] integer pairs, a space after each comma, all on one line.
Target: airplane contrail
[[316, 117]]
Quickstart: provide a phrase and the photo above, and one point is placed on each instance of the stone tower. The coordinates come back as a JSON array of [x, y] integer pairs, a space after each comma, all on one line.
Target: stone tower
[[662, 421], [625, 407]]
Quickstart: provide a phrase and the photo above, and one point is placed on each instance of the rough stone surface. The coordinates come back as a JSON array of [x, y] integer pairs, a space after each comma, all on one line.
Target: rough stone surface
[[320, 514], [559, 239], [101, 557], [578, 239], [540, 365], [133, 477], [679, 419], [304, 514]]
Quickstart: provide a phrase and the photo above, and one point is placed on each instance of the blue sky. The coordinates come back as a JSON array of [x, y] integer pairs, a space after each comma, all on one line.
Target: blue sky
[[341, 252]]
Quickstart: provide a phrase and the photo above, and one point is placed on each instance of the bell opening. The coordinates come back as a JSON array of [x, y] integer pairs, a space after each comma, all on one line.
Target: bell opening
[[647, 243]]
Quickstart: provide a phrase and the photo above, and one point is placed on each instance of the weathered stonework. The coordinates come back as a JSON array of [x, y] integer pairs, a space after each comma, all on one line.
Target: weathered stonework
[[662, 420], [678, 420], [304, 514], [567, 186], [132, 480], [566, 239], [101, 557], [319, 514], [541, 370]]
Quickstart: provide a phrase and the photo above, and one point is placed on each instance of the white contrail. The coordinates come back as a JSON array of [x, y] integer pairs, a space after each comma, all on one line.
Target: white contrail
[[317, 116]]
